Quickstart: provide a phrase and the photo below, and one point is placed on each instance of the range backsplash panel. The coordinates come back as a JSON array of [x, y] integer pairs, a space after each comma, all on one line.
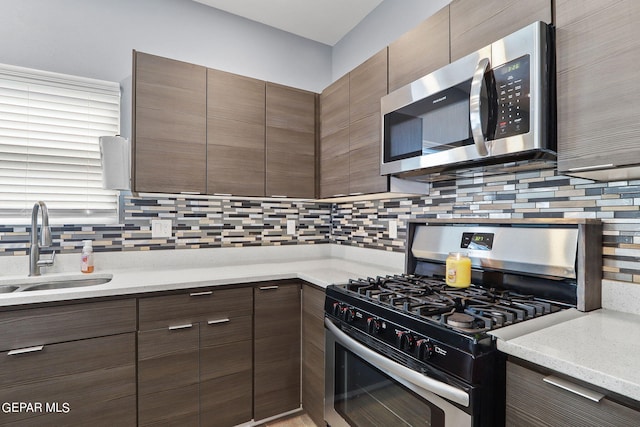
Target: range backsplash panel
[[224, 222]]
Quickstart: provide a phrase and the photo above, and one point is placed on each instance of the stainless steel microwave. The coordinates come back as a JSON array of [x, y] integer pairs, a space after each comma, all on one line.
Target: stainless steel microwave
[[494, 107]]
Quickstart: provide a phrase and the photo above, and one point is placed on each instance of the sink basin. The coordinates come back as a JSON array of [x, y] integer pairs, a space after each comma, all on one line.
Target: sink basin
[[40, 283], [70, 283]]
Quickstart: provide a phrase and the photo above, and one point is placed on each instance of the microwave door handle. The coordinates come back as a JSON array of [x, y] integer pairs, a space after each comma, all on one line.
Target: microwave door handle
[[475, 100], [395, 369]]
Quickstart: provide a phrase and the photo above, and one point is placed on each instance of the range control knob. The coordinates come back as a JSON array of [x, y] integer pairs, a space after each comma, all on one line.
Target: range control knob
[[337, 309], [406, 341], [348, 314], [374, 326], [424, 349]]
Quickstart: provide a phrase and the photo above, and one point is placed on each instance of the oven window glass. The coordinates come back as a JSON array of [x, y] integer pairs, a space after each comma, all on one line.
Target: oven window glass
[[430, 125], [364, 396]]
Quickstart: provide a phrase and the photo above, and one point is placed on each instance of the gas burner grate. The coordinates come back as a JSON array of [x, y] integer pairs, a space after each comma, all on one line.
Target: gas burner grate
[[432, 300]]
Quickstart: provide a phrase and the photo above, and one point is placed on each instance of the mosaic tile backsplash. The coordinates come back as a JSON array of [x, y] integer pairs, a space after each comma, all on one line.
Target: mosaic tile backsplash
[[196, 222], [540, 194], [223, 222]]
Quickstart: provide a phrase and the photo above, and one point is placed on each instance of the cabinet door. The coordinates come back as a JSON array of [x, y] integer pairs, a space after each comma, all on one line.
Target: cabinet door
[[276, 349], [598, 93], [420, 51], [226, 371], [235, 134], [334, 139], [531, 402], [367, 84], [169, 125], [476, 24], [168, 376], [313, 352], [291, 142], [85, 382]]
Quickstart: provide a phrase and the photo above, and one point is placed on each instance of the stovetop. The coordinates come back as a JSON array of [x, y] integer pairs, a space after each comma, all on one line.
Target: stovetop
[[471, 310], [423, 323]]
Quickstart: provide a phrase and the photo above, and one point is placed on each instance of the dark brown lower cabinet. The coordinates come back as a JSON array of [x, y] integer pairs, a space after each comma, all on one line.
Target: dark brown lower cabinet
[[276, 348], [168, 376], [87, 380], [313, 352], [197, 370], [532, 402], [226, 372]]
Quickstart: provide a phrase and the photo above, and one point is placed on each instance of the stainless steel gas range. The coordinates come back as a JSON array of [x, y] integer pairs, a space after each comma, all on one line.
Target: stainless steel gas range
[[409, 350]]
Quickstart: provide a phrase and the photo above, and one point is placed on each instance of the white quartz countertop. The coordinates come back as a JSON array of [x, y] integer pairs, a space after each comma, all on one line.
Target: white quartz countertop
[[601, 347], [140, 273]]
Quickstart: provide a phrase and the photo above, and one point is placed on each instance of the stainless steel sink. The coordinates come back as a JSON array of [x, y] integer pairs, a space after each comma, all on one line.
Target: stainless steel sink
[[62, 284], [5, 289], [51, 283]]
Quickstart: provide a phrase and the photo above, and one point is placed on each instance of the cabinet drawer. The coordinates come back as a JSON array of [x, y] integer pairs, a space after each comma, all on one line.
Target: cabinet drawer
[[46, 325], [193, 307], [531, 401], [93, 380]]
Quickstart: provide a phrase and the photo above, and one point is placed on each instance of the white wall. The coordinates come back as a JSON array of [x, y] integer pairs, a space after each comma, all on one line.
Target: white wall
[[383, 25], [94, 38]]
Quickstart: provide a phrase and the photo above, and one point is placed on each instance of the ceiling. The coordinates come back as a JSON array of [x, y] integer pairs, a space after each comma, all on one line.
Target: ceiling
[[325, 21]]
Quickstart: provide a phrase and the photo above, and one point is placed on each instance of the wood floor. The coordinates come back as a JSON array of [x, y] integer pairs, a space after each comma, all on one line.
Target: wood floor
[[298, 421]]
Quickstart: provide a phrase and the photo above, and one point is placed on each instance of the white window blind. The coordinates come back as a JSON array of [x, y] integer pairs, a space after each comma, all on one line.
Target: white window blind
[[50, 126]]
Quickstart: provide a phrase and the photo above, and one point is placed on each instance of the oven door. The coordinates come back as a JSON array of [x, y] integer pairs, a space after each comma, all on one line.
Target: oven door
[[365, 388]]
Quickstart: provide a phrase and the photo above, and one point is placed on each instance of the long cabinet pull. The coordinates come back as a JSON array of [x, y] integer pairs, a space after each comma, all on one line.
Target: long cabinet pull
[[217, 321], [185, 326], [574, 388], [268, 288], [200, 294], [25, 350], [590, 168]]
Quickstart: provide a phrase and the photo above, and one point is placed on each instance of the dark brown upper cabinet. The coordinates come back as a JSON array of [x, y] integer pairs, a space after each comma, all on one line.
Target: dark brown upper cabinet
[[476, 24], [420, 51], [367, 84], [235, 134], [334, 139], [598, 93], [290, 142], [169, 125], [350, 131]]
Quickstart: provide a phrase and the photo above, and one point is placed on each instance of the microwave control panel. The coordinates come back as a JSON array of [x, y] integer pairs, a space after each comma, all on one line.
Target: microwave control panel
[[512, 84]]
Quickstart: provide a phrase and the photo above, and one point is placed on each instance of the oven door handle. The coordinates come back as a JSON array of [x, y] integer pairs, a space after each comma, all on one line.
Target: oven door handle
[[446, 391]]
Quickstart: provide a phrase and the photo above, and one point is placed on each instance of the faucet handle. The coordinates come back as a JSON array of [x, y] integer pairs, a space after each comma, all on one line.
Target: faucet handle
[[47, 262]]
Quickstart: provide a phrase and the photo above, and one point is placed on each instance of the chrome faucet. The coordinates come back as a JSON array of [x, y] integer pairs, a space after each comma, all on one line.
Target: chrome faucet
[[45, 240]]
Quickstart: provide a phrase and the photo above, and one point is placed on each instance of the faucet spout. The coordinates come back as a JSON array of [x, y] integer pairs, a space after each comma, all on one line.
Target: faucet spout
[[45, 238]]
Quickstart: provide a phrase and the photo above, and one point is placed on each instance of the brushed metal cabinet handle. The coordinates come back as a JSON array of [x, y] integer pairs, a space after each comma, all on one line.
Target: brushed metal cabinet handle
[[590, 168], [217, 321], [268, 288], [177, 327], [25, 350], [574, 388], [199, 294]]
